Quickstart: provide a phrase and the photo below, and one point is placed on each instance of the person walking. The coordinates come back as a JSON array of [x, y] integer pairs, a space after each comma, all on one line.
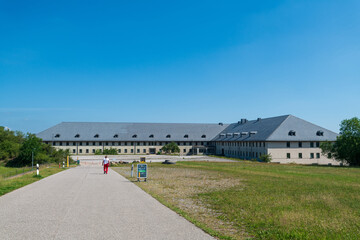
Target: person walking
[[106, 163]]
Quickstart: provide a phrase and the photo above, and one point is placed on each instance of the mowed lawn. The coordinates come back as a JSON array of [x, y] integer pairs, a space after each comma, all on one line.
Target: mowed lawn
[[8, 185], [8, 172], [257, 200]]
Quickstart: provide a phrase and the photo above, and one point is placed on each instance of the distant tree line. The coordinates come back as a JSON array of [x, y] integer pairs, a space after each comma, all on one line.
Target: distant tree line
[[346, 148], [17, 148]]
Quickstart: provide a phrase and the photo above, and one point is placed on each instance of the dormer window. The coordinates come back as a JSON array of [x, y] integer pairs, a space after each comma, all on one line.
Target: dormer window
[[186, 136], [151, 136], [57, 135], [116, 136], [77, 135], [96, 136], [320, 133], [203, 136], [292, 133], [168, 136], [134, 136]]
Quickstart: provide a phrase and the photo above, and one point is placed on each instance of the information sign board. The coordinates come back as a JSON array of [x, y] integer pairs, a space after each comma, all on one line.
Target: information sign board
[[141, 171]]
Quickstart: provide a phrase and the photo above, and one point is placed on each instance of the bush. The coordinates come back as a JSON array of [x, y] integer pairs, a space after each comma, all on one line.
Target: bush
[[266, 158], [171, 148], [110, 151]]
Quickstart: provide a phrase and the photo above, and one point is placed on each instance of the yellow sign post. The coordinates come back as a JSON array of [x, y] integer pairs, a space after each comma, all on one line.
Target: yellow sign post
[[67, 161]]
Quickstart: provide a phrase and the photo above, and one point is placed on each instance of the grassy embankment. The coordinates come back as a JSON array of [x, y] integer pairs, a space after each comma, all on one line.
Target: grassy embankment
[[8, 185], [263, 201]]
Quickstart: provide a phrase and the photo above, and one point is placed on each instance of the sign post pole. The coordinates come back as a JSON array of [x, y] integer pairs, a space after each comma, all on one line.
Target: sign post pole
[[67, 161]]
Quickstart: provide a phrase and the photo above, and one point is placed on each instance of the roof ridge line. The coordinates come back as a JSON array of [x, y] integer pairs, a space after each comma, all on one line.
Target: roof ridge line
[[287, 116]]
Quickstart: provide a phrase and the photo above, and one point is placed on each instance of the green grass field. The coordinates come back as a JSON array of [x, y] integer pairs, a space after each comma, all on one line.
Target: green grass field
[[8, 172], [8, 185], [262, 201]]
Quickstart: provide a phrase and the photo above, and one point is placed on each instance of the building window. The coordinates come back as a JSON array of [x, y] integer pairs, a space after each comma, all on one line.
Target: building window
[[80, 151], [186, 136], [317, 155], [132, 143], [317, 144], [288, 144], [113, 143], [74, 151], [87, 143], [132, 150], [106, 143], [100, 144], [300, 144], [93, 151], [292, 133], [168, 136], [74, 144], [311, 144], [125, 150], [203, 136], [134, 136], [320, 133], [138, 150], [300, 155], [288, 155], [184, 150], [144, 150], [151, 136], [80, 143], [138, 143], [77, 135], [57, 135], [311, 155], [60, 143], [87, 150], [329, 155], [116, 136], [125, 143], [96, 136], [119, 151], [93, 143], [67, 143]]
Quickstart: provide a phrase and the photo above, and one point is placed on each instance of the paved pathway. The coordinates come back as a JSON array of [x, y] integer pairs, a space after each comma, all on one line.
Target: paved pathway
[[83, 203]]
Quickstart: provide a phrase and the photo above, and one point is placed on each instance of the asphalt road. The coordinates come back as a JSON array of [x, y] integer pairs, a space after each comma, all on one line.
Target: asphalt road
[[83, 203]]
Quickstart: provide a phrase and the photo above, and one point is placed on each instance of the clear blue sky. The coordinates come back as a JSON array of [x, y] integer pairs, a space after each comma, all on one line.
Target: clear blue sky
[[178, 61]]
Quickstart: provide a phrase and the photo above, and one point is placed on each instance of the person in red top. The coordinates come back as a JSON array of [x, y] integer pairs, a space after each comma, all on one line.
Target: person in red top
[[106, 163]]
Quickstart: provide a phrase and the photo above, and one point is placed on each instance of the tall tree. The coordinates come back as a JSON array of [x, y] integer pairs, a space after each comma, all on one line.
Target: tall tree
[[347, 146]]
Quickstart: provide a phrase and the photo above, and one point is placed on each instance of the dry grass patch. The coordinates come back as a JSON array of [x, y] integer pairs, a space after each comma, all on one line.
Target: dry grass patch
[[180, 188]]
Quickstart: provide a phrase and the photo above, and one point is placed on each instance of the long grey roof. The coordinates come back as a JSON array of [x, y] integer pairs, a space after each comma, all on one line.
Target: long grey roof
[[66, 131], [276, 129]]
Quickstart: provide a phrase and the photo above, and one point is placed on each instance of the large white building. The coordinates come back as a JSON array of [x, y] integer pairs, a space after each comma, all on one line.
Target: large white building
[[287, 139]]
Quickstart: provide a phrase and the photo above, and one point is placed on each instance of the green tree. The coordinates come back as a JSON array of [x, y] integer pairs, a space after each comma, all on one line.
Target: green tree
[[171, 148], [266, 158], [347, 145], [10, 143]]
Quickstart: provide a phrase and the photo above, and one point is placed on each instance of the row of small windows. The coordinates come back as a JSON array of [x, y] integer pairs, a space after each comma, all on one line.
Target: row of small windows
[[318, 133], [125, 143], [244, 154], [242, 144], [300, 144], [133, 136], [300, 155], [132, 150]]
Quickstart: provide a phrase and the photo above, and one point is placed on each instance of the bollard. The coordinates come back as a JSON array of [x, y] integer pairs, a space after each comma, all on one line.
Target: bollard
[[132, 170], [37, 169], [63, 164]]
